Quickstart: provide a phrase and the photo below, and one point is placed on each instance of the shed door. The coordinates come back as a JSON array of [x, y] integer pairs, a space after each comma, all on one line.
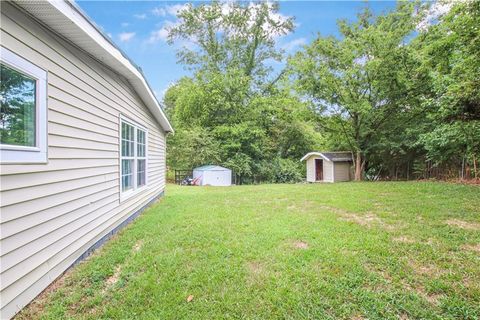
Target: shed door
[[318, 170]]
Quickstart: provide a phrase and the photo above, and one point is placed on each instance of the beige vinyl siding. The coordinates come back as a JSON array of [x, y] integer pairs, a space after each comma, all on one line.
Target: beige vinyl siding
[[311, 169], [342, 171], [51, 213], [327, 171]]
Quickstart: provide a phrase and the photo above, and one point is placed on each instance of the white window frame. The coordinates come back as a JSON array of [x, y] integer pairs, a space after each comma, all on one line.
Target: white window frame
[[24, 154], [135, 188]]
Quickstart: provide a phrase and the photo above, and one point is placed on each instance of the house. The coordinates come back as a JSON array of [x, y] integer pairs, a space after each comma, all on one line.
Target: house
[[82, 144], [328, 166], [211, 175]]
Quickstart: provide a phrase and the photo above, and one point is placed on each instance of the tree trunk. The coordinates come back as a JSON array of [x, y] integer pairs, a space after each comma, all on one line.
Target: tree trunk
[[467, 171], [359, 166], [475, 166], [408, 170]]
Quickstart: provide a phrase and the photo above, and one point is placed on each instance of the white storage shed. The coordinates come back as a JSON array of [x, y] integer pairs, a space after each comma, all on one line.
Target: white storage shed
[[328, 166], [212, 175]]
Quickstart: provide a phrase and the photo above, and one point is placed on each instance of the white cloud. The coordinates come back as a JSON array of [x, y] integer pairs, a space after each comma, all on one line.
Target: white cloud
[[292, 45], [158, 35], [125, 24], [161, 34], [175, 9], [140, 16], [160, 12], [126, 36], [437, 10], [172, 10]]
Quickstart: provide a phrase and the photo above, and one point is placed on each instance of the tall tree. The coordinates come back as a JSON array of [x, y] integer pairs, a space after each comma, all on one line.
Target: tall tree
[[450, 50], [231, 35], [235, 100], [362, 78]]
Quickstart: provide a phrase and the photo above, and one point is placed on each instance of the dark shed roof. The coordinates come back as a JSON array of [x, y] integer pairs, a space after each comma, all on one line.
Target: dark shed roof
[[338, 156]]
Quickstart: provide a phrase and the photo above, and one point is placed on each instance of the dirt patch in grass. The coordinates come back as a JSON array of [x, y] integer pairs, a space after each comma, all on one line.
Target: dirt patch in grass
[[256, 272], [404, 239], [113, 278], [422, 270], [416, 288], [428, 270], [432, 298], [304, 206], [81, 306], [381, 273], [334, 210], [300, 245], [368, 220], [138, 245], [255, 267], [471, 281], [462, 224], [35, 308], [471, 247]]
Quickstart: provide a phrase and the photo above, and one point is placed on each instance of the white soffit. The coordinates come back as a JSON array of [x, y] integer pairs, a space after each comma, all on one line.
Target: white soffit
[[66, 19]]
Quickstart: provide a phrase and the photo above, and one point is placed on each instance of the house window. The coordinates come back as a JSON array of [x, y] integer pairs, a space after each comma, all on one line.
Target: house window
[[133, 156], [23, 119], [141, 157]]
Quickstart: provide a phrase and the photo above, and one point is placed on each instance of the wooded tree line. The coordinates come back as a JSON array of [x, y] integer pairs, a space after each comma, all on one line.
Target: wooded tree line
[[400, 90]]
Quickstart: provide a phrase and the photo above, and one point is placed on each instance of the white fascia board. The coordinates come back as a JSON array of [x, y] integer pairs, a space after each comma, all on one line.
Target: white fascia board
[[107, 51], [318, 154]]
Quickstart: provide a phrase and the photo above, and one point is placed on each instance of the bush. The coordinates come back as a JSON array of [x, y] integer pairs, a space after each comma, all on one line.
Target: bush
[[280, 171]]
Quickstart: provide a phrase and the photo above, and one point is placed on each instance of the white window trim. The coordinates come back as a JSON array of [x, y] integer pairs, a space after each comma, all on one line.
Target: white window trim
[[124, 195], [22, 154]]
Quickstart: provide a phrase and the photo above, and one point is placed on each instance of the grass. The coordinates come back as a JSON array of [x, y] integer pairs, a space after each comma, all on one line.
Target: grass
[[323, 251]]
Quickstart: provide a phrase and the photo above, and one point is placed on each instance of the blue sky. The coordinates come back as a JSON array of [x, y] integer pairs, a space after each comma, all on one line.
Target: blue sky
[[137, 27]]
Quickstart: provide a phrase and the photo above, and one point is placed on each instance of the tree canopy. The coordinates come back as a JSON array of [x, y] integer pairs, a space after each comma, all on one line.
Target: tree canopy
[[362, 78], [400, 90]]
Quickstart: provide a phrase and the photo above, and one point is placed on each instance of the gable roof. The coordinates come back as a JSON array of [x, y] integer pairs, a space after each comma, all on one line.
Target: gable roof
[[340, 156], [67, 20]]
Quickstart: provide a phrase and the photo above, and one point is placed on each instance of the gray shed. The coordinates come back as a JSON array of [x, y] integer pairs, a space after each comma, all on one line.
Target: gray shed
[[211, 175], [328, 166]]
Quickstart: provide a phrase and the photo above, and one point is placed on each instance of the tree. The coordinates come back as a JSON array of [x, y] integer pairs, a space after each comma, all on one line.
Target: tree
[[450, 51], [231, 35], [361, 79], [192, 147], [242, 107], [17, 105]]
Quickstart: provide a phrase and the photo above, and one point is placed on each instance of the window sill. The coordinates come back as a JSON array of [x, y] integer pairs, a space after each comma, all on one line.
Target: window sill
[[125, 195], [22, 155]]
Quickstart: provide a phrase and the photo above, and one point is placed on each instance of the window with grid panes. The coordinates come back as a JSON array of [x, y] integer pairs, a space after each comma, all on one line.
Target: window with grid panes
[[133, 156]]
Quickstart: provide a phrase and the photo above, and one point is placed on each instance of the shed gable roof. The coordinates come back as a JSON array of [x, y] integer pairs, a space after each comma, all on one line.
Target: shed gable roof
[[340, 156]]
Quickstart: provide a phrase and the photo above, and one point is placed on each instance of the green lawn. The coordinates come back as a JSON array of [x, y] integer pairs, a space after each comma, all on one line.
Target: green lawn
[[319, 251]]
